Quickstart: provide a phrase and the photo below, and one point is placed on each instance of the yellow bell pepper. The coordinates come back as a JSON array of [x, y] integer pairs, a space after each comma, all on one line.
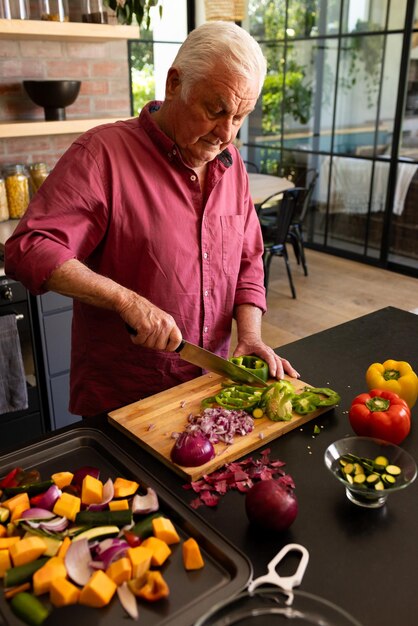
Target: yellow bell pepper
[[395, 376]]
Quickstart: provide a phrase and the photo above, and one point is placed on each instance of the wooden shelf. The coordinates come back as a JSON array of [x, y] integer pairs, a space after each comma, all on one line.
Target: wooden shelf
[[35, 129], [42, 29]]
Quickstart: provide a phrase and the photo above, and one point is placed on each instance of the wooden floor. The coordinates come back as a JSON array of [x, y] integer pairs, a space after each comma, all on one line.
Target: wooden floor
[[335, 291]]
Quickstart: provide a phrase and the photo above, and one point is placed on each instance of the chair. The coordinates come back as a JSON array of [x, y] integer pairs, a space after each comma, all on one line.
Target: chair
[[296, 227], [275, 214], [251, 167]]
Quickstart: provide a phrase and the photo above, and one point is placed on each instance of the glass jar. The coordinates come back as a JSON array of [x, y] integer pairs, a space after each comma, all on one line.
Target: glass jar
[[17, 189], [38, 172], [4, 205], [54, 10], [15, 9], [94, 12]]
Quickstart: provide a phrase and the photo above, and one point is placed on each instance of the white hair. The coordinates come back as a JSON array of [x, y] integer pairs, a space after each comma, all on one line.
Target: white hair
[[218, 41]]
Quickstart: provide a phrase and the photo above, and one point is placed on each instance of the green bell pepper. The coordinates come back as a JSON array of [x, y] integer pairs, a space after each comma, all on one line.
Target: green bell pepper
[[252, 364]]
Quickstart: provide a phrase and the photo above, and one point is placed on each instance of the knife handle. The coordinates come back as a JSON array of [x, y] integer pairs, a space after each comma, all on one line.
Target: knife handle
[[133, 332]]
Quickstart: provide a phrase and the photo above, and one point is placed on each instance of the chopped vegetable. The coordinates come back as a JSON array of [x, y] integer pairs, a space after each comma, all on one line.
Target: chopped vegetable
[[145, 504], [381, 414], [240, 475], [103, 518], [373, 474], [277, 400], [252, 364], [159, 548], [77, 562], [331, 396], [128, 600], [23, 573], [124, 488], [164, 529], [140, 558], [192, 449], [305, 402], [395, 376], [220, 424], [99, 590], [43, 577], [62, 592], [192, 557], [154, 588], [29, 608]]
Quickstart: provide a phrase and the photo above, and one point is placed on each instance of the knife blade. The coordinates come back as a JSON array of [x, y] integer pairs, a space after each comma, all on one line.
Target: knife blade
[[214, 363]]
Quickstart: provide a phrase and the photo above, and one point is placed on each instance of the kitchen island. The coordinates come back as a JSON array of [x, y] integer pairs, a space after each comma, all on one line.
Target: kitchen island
[[364, 561]]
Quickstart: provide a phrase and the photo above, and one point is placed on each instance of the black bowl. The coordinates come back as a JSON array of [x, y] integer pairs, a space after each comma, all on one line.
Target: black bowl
[[53, 95]]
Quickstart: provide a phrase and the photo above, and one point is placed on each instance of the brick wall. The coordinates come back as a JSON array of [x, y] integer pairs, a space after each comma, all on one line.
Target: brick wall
[[105, 90]]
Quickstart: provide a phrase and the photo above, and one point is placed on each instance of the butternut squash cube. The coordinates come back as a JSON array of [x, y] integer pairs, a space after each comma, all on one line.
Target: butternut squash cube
[[98, 591], [6, 542], [62, 479], [120, 571], [43, 577], [27, 549], [18, 510], [119, 505], [67, 506], [192, 558], [91, 490], [17, 500], [62, 592], [163, 528], [5, 562], [124, 487], [159, 548], [140, 557], [62, 551]]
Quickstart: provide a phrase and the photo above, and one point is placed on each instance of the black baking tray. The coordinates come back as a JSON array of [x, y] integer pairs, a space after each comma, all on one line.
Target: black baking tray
[[226, 570]]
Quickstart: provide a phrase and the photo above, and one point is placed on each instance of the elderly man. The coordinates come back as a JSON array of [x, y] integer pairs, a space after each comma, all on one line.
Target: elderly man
[[149, 222]]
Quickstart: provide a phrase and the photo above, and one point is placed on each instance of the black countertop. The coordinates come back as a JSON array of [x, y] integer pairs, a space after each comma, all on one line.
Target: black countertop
[[364, 561]]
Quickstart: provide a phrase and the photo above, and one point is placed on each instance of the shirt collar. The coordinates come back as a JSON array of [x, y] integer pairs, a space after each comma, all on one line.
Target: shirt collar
[[166, 144]]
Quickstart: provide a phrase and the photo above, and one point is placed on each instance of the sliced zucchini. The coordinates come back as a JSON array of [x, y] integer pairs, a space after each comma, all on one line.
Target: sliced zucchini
[[97, 531], [393, 470]]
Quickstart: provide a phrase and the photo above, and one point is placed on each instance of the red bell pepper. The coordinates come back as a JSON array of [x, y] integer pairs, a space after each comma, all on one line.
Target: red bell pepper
[[11, 479], [380, 414]]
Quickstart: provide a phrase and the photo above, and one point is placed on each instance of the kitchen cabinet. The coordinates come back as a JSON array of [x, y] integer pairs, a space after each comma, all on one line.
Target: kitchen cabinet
[[61, 31]]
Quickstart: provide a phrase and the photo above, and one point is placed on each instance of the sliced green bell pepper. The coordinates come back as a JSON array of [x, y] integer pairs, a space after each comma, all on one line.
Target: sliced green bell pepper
[[252, 364], [305, 402]]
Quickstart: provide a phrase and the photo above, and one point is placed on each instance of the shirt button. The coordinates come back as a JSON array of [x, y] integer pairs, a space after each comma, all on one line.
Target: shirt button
[[193, 177], [206, 292], [205, 330], [205, 255], [174, 151]]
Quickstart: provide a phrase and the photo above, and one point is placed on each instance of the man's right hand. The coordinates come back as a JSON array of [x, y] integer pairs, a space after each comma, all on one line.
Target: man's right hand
[[154, 328]]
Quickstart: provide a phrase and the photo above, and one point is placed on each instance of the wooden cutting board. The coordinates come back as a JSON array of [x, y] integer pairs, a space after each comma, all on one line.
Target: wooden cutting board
[[151, 422]]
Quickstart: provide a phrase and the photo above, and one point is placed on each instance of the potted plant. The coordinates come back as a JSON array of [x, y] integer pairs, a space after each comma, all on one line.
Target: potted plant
[[127, 10]]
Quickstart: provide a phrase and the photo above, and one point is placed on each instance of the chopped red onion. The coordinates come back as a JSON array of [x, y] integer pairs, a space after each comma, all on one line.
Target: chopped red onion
[[77, 562], [36, 513], [220, 424], [145, 504], [128, 600]]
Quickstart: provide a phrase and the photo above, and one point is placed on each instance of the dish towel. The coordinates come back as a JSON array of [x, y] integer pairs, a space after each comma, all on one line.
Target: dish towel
[[13, 390]]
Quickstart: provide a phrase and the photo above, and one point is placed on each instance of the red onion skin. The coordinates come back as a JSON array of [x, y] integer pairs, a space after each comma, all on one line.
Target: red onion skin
[[271, 506], [192, 450]]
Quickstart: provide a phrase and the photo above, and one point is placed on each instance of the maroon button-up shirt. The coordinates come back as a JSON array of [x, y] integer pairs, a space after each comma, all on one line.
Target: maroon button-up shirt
[[122, 201]]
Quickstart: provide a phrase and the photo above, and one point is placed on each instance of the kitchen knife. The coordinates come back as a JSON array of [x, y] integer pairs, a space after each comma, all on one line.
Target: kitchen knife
[[214, 363]]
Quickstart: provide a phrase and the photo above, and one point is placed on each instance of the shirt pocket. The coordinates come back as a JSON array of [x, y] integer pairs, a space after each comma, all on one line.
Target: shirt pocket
[[232, 227]]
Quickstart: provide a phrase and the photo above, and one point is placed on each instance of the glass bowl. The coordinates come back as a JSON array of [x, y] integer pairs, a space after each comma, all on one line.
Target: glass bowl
[[371, 493]]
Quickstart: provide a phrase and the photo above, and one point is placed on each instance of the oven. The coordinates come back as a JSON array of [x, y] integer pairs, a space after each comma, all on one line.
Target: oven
[[18, 427]]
